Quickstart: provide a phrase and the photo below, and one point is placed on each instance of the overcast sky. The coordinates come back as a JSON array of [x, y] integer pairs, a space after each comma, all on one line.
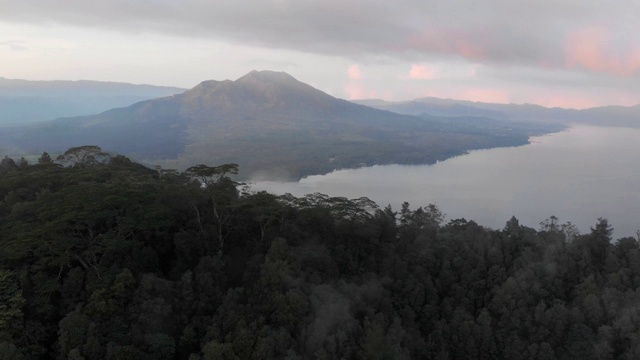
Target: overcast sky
[[570, 53]]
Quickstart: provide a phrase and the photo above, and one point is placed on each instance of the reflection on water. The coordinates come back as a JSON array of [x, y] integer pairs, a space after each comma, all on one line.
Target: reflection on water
[[577, 175]]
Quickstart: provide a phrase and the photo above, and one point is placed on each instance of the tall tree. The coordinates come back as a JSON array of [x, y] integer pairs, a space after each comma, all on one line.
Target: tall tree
[[218, 185]]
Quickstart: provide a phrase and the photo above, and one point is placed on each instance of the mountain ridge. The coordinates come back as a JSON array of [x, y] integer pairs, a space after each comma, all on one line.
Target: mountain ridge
[[27, 101], [451, 101], [267, 121], [613, 115], [22, 87]]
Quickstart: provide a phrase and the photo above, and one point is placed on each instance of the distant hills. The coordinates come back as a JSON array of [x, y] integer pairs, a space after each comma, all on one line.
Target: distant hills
[[274, 126], [23, 101], [430, 106]]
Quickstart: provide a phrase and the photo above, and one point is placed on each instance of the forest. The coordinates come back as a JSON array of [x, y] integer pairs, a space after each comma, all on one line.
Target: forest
[[104, 258]]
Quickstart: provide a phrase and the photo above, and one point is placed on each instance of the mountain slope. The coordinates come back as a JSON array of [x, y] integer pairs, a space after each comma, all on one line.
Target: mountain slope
[[269, 123]]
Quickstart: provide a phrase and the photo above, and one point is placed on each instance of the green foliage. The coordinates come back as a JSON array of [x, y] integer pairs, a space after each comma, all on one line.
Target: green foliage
[[8, 165], [45, 158], [210, 175], [113, 261], [11, 302], [86, 155], [9, 351]]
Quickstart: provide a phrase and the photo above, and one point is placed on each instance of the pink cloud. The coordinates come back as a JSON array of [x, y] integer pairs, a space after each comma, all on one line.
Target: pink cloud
[[422, 72], [466, 44], [593, 49], [354, 72], [356, 91]]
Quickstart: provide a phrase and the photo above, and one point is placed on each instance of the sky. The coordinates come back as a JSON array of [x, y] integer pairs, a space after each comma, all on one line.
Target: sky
[[564, 53]]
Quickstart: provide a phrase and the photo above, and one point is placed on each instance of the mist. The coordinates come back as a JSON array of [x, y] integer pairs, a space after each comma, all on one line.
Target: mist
[[577, 175]]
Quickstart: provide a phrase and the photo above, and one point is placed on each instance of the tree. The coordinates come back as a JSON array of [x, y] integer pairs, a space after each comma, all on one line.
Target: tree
[[10, 352], [599, 241], [212, 175], [216, 182], [8, 165], [45, 158], [602, 230], [265, 210], [11, 302], [550, 225], [22, 163], [512, 227], [567, 232], [85, 155]]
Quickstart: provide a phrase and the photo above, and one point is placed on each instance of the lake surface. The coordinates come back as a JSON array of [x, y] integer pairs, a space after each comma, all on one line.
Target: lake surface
[[578, 175]]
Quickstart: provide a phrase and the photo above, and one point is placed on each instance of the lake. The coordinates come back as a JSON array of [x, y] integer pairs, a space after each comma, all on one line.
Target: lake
[[578, 175]]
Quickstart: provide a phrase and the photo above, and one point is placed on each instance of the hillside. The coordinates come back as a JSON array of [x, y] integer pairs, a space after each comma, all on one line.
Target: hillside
[[271, 124]]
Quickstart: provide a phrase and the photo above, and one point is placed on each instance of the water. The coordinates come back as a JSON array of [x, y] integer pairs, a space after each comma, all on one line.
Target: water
[[577, 175]]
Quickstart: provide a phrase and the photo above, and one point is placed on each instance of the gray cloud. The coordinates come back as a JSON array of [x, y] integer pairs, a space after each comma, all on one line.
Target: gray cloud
[[253, 62], [530, 33], [13, 45], [546, 78]]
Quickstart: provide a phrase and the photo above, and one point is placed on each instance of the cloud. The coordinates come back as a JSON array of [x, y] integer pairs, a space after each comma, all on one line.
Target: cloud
[[593, 49], [422, 72], [570, 42], [260, 62], [463, 43], [354, 72], [357, 91], [13, 45], [504, 31]]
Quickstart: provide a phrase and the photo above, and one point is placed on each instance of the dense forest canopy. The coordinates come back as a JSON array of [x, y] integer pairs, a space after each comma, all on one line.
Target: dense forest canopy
[[107, 259]]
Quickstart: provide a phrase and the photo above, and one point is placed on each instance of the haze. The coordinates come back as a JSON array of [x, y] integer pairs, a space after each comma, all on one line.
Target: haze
[[554, 53]]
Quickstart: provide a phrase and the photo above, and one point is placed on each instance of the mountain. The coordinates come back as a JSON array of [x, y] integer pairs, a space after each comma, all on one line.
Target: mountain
[[606, 115], [272, 125], [449, 107], [23, 101], [627, 116], [436, 107]]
